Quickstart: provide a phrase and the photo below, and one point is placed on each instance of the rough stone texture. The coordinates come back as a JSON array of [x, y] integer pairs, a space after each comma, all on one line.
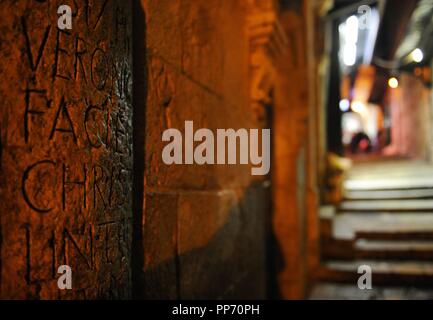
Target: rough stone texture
[[66, 150]]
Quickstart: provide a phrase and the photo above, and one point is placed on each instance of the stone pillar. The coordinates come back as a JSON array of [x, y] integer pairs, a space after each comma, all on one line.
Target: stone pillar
[[280, 78], [267, 43], [66, 149], [312, 219], [294, 167]]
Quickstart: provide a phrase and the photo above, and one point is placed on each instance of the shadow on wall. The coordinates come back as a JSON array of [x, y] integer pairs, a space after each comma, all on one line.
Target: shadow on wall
[[185, 260]]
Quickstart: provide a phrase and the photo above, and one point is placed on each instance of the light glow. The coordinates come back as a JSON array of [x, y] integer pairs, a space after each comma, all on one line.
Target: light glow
[[352, 29], [417, 55], [393, 83], [350, 32], [349, 54], [358, 107], [344, 105]]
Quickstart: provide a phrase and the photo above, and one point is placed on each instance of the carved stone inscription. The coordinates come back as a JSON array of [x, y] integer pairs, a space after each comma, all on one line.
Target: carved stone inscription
[[65, 149]]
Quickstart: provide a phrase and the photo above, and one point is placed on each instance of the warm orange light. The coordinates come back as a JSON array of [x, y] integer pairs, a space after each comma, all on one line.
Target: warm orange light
[[393, 83]]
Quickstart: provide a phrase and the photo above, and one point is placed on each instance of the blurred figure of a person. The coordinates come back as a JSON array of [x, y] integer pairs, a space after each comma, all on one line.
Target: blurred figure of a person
[[360, 143]]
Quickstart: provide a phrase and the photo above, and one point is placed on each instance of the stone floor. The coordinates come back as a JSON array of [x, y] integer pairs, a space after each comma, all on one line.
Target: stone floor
[[386, 222]]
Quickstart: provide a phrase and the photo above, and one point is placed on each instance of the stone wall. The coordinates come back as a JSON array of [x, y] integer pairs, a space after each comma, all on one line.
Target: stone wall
[[82, 180], [203, 226], [410, 113]]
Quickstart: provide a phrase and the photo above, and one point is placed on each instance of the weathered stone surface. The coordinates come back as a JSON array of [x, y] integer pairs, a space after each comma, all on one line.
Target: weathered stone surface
[[198, 70], [160, 239], [66, 159]]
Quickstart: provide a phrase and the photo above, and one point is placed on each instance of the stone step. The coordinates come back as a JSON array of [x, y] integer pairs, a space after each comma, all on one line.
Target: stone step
[[333, 249], [394, 250], [386, 222], [377, 249], [406, 206], [394, 235], [399, 273], [357, 225], [388, 194], [388, 184]]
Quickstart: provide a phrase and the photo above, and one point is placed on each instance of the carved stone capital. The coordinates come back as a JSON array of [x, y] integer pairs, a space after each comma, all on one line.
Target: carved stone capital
[[268, 42], [266, 33]]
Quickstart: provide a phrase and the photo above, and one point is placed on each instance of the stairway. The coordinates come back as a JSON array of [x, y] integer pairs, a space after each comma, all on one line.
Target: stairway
[[385, 222]]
